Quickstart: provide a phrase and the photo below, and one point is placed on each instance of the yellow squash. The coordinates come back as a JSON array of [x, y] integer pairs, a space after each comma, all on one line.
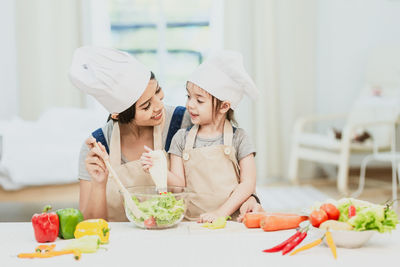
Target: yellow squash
[[93, 227]]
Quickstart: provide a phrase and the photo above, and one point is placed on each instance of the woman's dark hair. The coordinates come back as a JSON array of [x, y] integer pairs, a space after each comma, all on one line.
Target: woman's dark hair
[[128, 115]]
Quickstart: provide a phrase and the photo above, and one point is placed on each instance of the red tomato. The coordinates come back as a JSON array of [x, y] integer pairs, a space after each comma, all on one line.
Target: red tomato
[[331, 210], [317, 217], [352, 211], [150, 222]]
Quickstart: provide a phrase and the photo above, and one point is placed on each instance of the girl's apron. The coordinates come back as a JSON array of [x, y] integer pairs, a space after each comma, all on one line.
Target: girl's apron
[[130, 173], [212, 173]]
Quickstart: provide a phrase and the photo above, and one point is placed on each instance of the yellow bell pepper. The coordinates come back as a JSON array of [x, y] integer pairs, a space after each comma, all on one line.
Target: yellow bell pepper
[[93, 227]]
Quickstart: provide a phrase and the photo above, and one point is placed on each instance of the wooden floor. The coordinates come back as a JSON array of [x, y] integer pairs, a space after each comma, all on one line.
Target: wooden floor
[[20, 205]]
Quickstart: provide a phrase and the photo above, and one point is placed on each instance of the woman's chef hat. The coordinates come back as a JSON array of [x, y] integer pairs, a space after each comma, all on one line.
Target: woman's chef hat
[[223, 76], [115, 78]]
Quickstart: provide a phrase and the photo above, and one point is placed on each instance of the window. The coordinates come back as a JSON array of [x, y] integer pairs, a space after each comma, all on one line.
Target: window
[[172, 37]]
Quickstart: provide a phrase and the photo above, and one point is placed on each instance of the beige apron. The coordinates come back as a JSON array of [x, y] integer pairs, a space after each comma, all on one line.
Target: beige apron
[[130, 173], [212, 173]]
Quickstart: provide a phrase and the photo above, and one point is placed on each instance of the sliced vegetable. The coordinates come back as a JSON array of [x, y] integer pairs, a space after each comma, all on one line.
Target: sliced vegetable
[[281, 221], [219, 223], [253, 219], [352, 211], [150, 222], [45, 248], [331, 244], [97, 227], [335, 225], [85, 244], [44, 251]]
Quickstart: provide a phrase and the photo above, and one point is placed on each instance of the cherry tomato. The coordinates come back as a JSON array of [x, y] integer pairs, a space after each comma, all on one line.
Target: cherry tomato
[[150, 222], [352, 211], [331, 210], [317, 217]]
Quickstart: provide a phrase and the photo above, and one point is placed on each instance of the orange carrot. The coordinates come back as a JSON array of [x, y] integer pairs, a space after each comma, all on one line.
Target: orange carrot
[[281, 221], [252, 219]]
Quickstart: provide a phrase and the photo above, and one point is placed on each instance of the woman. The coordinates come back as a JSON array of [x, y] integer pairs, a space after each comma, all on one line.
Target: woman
[[132, 95]]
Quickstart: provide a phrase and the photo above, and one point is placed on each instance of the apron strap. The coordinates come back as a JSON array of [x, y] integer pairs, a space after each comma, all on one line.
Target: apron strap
[[115, 145], [191, 137], [228, 133], [99, 136]]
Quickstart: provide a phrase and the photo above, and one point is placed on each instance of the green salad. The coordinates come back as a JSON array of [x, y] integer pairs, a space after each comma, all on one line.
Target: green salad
[[160, 210], [368, 216]]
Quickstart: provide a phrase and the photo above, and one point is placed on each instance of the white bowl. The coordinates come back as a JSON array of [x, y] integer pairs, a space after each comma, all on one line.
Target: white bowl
[[345, 239], [349, 239]]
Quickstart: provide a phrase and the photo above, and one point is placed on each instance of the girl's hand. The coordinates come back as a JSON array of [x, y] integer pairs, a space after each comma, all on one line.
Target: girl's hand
[[210, 217], [94, 161], [250, 205], [146, 160]]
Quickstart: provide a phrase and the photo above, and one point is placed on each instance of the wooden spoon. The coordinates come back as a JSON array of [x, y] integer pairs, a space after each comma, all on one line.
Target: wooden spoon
[[130, 204]]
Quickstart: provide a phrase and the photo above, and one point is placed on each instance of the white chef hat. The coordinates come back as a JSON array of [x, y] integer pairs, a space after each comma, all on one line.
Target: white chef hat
[[115, 78], [224, 76]]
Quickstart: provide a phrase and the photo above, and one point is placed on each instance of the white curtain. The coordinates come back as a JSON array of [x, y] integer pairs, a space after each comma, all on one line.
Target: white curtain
[[277, 40], [47, 32], [8, 62]]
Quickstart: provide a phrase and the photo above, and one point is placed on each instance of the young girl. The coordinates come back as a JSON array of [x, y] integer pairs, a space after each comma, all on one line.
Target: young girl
[[212, 159]]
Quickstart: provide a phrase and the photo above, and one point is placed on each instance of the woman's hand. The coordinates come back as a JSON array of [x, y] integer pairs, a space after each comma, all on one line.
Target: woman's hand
[[94, 161], [250, 205], [146, 160]]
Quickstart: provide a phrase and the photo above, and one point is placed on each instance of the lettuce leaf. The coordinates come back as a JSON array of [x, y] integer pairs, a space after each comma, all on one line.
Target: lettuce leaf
[[164, 208], [368, 216]]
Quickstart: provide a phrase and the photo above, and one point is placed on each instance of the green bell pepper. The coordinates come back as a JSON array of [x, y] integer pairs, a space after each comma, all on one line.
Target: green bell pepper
[[69, 218]]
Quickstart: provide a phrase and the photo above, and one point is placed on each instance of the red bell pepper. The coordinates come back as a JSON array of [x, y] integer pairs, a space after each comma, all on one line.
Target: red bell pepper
[[45, 225]]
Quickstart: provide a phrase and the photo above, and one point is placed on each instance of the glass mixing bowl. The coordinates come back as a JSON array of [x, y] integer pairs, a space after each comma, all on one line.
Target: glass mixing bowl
[[159, 210]]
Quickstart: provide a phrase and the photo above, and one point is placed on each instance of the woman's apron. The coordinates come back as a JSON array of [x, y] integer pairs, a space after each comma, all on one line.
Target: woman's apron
[[130, 173], [212, 173]]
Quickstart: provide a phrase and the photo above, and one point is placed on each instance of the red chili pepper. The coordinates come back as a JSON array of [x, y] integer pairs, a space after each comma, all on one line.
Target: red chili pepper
[[283, 244], [352, 211], [290, 246], [45, 225]]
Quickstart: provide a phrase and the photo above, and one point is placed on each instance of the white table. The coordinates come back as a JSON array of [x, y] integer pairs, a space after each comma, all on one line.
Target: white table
[[191, 245]]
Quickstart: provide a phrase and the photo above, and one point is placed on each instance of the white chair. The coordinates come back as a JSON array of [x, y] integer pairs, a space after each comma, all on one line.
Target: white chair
[[325, 149], [368, 113], [391, 156]]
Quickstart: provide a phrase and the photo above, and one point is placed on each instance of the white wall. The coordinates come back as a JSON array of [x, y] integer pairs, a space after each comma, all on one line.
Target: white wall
[[47, 33], [8, 72], [348, 30]]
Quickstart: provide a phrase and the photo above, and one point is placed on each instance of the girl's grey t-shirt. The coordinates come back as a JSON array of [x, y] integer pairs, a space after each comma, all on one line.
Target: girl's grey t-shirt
[[241, 142], [107, 130]]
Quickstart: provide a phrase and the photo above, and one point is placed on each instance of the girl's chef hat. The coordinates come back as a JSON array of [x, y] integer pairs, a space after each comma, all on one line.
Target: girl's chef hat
[[115, 78], [223, 76]]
